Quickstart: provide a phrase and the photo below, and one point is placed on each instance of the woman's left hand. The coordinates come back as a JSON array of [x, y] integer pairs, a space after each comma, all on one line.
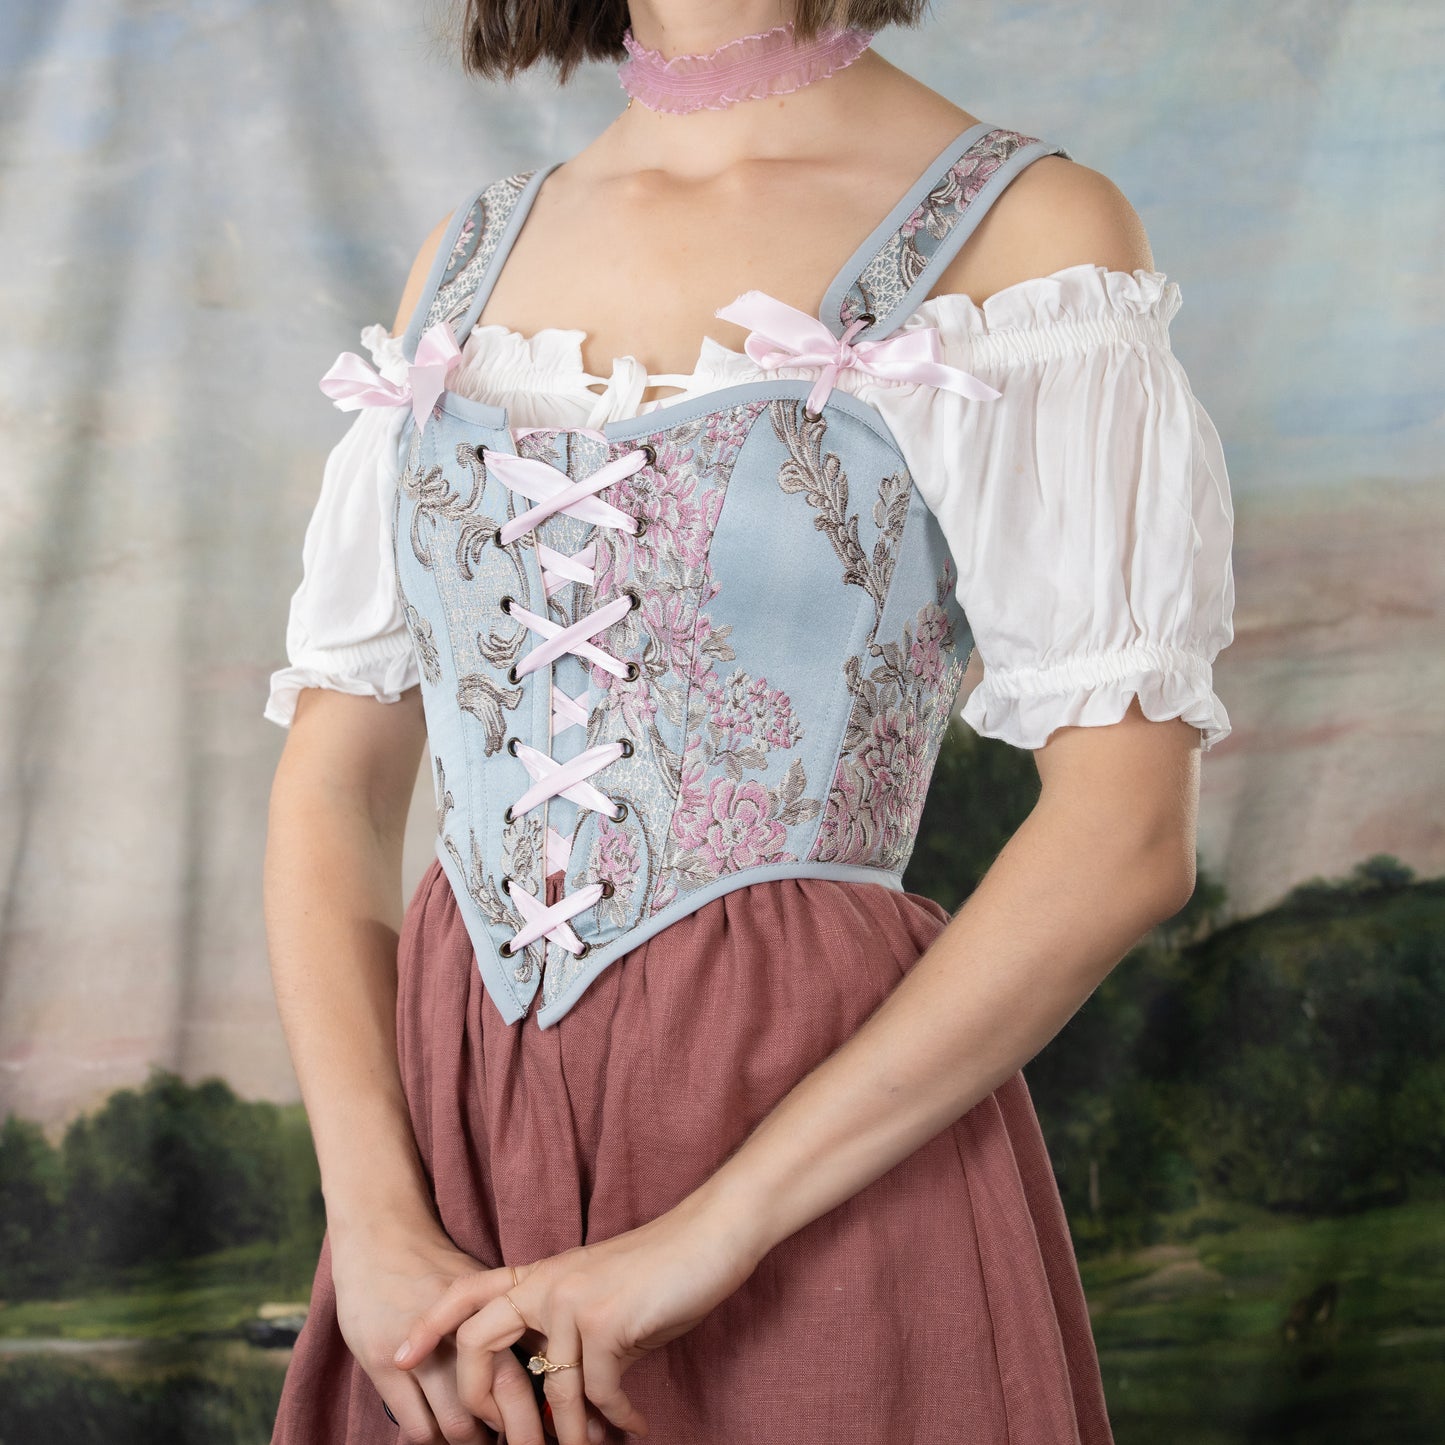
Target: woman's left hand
[[605, 1305]]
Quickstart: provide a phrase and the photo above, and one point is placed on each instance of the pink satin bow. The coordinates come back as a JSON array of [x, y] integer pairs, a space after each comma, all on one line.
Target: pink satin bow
[[784, 336], [352, 382]]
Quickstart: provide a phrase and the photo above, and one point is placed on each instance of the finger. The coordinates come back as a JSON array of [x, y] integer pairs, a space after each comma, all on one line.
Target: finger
[[563, 1388], [476, 1364], [464, 1297], [602, 1379], [408, 1404], [596, 1425], [517, 1400], [438, 1378], [480, 1343]]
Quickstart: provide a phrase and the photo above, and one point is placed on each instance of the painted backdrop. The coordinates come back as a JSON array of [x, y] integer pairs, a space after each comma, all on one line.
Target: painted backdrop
[[201, 203]]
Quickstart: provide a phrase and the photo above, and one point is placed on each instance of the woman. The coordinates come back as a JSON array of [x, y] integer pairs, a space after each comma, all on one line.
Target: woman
[[679, 644]]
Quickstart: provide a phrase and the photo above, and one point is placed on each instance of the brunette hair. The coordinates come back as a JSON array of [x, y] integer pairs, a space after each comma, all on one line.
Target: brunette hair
[[499, 38]]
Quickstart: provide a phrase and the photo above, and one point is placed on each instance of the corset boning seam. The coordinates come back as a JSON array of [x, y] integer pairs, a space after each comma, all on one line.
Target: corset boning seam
[[554, 492]]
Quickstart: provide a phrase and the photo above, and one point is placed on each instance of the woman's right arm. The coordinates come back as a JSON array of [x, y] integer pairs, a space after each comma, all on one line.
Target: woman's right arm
[[333, 907], [332, 886]]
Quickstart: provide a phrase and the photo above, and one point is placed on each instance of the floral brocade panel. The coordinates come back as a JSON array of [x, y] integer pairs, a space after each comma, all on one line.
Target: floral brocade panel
[[705, 728], [884, 282], [718, 783], [902, 699], [902, 686]]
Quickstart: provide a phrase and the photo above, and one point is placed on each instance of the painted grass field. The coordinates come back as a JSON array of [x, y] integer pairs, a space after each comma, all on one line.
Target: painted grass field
[[1192, 1334], [1196, 1349]]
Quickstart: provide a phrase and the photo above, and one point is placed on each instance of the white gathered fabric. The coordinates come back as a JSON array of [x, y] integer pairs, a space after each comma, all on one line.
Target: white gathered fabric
[[554, 491], [1087, 509]]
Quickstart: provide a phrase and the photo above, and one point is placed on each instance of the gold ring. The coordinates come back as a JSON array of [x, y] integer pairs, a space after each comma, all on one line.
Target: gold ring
[[515, 1280], [513, 1304], [541, 1365]]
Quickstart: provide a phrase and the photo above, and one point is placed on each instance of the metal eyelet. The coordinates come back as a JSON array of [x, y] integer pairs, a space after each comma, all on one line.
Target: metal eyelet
[[626, 746], [512, 745], [618, 817], [506, 603], [497, 542], [635, 595], [866, 316], [608, 888], [482, 454], [641, 529], [633, 672], [584, 950], [651, 453], [810, 415], [507, 815], [506, 950], [507, 884], [512, 675]]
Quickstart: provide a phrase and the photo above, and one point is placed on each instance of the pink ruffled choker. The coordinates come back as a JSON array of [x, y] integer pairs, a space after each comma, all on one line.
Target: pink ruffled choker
[[770, 62]]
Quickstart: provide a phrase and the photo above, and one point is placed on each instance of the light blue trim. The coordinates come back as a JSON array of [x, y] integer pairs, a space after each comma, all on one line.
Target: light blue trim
[[952, 243], [494, 976], [476, 413], [487, 284], [673, 413], [624, 943], [829, 312], [411, 337]]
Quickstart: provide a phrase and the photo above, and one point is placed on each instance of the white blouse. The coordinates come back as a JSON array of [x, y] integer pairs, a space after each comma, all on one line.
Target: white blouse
[[1088, 508]]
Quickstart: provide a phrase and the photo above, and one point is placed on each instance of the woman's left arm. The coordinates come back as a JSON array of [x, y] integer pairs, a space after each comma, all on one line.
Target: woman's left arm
[[1105, 854]]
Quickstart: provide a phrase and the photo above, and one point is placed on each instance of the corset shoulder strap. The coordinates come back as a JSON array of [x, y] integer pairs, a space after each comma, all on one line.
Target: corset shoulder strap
[[898, 264], [469, 256]]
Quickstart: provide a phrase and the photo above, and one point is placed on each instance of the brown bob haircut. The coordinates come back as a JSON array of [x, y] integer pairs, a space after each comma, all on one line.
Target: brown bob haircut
[[499, 38]]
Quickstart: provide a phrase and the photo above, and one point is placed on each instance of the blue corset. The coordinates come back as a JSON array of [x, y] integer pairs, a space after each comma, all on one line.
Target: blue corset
[[703, 647]]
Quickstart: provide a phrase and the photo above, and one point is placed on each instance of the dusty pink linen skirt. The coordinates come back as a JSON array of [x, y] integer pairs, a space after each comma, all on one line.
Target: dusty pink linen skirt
[[940, 1305]]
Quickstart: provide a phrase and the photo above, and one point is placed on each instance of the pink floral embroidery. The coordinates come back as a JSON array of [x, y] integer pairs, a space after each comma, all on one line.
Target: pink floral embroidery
[[614, 860], [700, 724], [900, 709], [883, 284], [671, 624], [746, 709], [888, 761], [933, 634], [963, 181], [735, 830], [691, 795], [616, 855]]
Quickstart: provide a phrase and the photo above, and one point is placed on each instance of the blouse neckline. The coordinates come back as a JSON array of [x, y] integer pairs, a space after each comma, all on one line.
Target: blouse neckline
[[553, 354], [1076, 306]]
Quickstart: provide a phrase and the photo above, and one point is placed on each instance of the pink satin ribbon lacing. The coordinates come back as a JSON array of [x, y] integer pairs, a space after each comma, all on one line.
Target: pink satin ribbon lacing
[[554, 491], [782, 335], [352, 382]]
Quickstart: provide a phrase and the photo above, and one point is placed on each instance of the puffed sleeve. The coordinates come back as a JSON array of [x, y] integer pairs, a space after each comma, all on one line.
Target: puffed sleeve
[[1088, 508], [346, 629]]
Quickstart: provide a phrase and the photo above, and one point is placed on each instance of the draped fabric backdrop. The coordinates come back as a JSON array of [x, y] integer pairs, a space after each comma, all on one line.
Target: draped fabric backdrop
[[201, 203]]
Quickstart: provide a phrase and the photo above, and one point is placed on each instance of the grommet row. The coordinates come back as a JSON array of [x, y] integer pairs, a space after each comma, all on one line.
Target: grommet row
[[544, 783]]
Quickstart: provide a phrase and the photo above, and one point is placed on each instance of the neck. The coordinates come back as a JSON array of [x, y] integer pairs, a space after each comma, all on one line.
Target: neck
[[703, 143], [684, 27]]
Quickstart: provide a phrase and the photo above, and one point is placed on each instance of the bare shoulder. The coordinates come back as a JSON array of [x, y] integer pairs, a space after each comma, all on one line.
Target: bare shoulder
[[420, 270], [1055, 213]]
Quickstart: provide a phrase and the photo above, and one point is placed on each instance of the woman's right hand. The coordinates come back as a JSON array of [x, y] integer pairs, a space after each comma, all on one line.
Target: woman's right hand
[[383, 1280]]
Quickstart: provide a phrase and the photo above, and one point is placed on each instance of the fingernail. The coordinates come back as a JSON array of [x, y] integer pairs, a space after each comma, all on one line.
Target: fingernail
[[595, 1432], [400, 1355]]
